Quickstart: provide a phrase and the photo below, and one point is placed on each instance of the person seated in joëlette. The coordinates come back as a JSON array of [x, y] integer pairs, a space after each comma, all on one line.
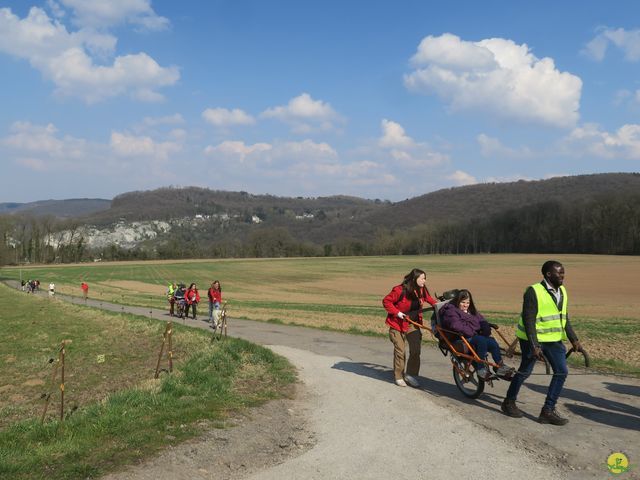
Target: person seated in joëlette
[[461, 316]]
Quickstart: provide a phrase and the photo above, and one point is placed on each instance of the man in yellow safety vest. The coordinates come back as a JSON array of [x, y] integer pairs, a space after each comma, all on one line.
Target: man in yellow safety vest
[[542, 327]]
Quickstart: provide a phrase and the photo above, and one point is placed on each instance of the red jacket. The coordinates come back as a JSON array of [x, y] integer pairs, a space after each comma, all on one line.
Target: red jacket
[[396, 302], [192, 296], [215, 296]]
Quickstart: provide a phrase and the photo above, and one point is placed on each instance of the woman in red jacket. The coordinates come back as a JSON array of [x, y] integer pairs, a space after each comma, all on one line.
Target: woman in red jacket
[[192, 298], [407, 301]]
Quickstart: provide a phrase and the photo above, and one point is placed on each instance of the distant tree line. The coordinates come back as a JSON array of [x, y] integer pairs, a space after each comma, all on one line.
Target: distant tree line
[[603, 225]]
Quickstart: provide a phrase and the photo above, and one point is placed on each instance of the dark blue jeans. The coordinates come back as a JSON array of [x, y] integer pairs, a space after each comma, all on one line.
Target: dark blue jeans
[[555, 353], [482, 345]]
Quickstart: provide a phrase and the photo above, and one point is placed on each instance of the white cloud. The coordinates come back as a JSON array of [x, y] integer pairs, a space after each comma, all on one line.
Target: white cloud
[[462, 178], [304, 114], [498, 76], [105, 14], [284, 153], [221, 117], [626, 40], [126, 145], [26, 137], [237, 150], [589, 139], [64, 58], [393, 135], [404, 150], [42, 148], [508, 178], [492, 147]]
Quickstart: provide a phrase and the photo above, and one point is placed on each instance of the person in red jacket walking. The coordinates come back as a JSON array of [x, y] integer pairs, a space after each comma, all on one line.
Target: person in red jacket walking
[[192, 298], [406, 301], [215, 299]]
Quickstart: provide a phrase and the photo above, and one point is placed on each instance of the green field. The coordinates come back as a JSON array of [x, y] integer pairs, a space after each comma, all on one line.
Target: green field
[[344, 293], [115, 411]]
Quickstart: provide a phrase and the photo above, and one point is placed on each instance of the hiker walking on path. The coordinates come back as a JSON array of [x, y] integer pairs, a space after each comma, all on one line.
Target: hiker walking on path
[[85, 290], [215, 299], [406, 301], [542, 327], [192, 297], [171, 290]]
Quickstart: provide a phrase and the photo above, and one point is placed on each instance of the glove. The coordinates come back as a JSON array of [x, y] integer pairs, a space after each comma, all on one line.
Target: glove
[[400, 315], [576, 346]]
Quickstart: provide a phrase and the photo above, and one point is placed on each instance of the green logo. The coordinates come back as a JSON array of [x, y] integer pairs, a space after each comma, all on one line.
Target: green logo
[[617, 463]]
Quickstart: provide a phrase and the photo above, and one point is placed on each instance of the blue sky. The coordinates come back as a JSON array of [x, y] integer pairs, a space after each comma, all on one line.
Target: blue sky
[[375, 99]]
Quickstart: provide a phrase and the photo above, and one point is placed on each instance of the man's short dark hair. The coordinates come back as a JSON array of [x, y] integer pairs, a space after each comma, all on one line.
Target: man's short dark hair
[[549, 265]]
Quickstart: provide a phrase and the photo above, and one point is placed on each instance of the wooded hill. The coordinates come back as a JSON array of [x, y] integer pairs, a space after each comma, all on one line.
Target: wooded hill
[[582, 214]]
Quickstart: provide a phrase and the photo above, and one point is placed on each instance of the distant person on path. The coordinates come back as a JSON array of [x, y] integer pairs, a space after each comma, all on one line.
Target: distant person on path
[[52, 289], [406, 301], [171, 290], [542, 327], [215, 299], [192, 298], [461, 316], [179, 300], [85, 290]]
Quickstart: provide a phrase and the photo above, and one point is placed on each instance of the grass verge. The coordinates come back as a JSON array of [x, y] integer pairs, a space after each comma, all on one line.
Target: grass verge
[[120, 427]]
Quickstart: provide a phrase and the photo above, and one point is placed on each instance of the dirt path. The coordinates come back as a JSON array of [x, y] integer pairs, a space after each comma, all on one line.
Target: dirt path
[[350, 421]]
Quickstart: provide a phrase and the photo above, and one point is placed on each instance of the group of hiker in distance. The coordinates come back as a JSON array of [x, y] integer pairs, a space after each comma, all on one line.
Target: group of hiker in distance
[[541, 330], [182, 299]]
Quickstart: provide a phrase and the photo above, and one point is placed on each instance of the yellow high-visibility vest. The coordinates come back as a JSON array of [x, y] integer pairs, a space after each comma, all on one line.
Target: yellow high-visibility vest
[[550, 321]]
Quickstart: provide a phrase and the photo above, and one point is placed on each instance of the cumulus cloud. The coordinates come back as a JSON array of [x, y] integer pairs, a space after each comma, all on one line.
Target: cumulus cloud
[[238, 150], [405, 151], [492, 147], [394, 136], [43, 148], [65, 58], [221, 117], [495, 75], [626, 40], [101, 14], [295, 167], [462, 178], [304, 114], [127, 145], [26, 137], [591, 140], [281, 153]]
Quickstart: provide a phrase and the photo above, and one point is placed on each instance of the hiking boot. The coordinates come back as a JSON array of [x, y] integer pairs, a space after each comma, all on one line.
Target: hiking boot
[[548, 415], [505, 371], [400, 382], [411, 381], [510, 409]]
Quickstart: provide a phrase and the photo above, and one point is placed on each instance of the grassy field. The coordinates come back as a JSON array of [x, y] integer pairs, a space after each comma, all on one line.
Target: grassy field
[[115, 411], [345, 293]]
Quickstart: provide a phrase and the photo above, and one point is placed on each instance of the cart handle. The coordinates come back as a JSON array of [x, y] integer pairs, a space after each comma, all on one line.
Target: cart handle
[[587, 360]]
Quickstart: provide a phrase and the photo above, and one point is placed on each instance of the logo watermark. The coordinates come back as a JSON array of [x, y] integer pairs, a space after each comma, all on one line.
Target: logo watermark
[[617, 463]]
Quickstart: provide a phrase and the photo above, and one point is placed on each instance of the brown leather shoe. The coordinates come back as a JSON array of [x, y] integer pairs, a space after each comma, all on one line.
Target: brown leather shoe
[[552, 417], [510, 408]]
